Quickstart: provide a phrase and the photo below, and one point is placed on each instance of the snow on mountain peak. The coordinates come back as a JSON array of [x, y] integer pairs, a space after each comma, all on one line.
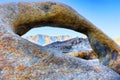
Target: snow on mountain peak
[[43, 40]]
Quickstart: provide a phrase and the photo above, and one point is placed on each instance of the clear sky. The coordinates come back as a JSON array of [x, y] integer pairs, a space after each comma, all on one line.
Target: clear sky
[[105, 14]]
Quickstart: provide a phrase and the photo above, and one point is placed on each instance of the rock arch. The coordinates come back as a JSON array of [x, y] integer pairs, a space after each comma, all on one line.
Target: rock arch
[[18, 18]]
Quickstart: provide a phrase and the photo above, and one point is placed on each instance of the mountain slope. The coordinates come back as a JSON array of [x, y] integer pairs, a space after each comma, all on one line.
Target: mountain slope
[[71, 45]]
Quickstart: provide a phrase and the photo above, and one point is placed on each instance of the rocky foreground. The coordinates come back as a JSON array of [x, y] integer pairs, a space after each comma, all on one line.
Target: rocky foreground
[[23, 60]]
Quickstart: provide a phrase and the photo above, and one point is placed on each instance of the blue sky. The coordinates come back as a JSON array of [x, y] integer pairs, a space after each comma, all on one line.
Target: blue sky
[[105, 14]]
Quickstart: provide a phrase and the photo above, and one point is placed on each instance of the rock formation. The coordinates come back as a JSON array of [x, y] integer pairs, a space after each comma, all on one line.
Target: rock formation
[[23, 60]]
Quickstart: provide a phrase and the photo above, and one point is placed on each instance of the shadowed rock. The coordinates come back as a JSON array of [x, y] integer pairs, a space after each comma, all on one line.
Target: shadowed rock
[[88, 55], [23, 60]]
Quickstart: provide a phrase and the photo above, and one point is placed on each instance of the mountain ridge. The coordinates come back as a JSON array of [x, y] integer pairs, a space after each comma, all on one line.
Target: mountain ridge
[[43, 40]]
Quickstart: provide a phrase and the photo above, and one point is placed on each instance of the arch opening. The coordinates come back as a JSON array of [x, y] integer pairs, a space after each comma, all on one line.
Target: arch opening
[[50, 35], [64, 40], [53, 31]]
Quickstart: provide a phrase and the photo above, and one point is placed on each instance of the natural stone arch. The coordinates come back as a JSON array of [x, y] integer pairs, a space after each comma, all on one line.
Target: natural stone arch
[[18, 18]]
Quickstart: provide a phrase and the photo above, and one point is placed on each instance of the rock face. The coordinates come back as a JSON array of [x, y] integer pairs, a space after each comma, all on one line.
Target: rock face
[[23, 60]]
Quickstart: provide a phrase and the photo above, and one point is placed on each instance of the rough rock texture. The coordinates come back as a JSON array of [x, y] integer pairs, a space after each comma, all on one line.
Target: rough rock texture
[[23, 60]]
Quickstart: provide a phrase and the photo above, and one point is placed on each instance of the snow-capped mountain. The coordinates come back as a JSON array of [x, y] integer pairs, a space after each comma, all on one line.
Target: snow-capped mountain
[[62, 43], [45, 39]]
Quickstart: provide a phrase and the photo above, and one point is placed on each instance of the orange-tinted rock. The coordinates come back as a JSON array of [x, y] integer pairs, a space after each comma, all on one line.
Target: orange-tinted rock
[[88, 55], [23, 60]]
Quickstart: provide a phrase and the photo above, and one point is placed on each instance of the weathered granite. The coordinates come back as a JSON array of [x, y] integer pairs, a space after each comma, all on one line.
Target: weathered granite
[[23, 60]]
